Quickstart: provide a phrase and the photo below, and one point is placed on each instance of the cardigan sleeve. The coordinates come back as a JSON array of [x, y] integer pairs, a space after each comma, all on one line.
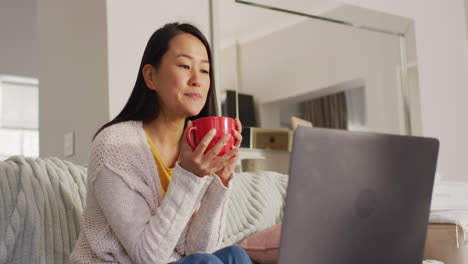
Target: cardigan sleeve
[[206, 230], [148, 238]]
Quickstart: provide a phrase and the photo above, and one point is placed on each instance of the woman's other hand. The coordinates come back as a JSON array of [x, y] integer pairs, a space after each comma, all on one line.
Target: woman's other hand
[[225, 174], [209, 163]]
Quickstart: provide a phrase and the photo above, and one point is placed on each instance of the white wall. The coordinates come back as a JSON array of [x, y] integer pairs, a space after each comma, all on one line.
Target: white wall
[[18, 37], [130, 25], [466, 20], [89, 55], [227, 68], [443, 74], [72, 69]]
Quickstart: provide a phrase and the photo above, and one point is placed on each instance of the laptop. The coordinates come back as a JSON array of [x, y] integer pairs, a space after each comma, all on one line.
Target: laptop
[[357, 197]]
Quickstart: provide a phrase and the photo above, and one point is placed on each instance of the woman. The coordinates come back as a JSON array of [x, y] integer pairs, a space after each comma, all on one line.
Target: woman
[[152, 198]]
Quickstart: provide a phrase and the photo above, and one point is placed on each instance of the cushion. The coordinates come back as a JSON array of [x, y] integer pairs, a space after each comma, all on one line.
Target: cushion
[[256, 202], [262, 247]]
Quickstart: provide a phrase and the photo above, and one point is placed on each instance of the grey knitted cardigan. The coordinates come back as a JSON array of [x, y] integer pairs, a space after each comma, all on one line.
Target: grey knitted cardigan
[[126, 219]]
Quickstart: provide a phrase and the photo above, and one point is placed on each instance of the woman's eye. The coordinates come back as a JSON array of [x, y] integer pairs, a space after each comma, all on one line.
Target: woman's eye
[[184, 66], [205, 71]]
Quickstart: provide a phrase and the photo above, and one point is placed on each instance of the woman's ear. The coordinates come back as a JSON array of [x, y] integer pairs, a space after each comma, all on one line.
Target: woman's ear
[[149, 75]]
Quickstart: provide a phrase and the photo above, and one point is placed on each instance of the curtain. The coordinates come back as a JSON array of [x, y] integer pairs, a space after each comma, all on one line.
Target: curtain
[[328, 111]]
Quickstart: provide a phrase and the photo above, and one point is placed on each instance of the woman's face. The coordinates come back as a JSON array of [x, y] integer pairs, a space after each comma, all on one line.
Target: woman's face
[[182, 80]]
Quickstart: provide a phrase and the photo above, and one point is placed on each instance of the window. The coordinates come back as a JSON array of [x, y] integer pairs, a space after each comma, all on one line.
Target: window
[[19, 116]]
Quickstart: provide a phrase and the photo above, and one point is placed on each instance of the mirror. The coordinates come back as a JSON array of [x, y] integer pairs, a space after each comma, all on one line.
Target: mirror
[[332, 64]]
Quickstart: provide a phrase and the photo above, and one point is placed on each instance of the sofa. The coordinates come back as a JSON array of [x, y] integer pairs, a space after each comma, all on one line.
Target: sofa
[[42, 201]]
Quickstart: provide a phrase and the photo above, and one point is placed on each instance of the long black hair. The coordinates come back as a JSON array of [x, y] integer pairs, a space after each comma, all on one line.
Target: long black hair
[[143, 103]]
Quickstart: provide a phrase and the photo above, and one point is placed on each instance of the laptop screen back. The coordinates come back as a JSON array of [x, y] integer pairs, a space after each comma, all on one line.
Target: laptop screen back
[[357, 197]]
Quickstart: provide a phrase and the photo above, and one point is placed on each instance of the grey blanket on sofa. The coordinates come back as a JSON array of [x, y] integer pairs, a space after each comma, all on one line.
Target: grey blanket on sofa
[[41, 203], [42, 200]]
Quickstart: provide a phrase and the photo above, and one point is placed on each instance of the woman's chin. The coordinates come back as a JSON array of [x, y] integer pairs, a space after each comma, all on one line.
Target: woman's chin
[[192, 112]]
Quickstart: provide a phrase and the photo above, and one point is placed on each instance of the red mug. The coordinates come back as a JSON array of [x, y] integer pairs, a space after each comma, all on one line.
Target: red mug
[[201, 126]]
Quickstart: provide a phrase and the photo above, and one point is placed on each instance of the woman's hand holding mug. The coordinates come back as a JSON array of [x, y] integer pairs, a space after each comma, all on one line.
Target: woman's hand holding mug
[[215, 148]]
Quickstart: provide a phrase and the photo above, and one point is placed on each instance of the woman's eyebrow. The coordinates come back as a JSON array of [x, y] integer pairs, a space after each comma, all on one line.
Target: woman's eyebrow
[[190, 57]]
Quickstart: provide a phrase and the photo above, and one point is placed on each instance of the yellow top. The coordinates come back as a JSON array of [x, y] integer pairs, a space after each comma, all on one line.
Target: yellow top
[[165, 173]]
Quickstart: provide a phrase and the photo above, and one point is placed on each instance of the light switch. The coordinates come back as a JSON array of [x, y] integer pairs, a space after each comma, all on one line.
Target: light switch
[[69, 144]]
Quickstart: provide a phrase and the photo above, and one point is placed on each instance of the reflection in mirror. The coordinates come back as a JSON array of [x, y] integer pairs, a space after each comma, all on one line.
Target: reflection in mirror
[[341, 110], [324, 71], [299, 57], [340, 106]]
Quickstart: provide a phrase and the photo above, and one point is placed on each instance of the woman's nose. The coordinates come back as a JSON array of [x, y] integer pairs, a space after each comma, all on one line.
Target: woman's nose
[[195, 80], [195, 83]]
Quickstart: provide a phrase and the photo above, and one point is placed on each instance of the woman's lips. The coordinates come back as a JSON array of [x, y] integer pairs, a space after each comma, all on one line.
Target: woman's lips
[[193, 95]]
